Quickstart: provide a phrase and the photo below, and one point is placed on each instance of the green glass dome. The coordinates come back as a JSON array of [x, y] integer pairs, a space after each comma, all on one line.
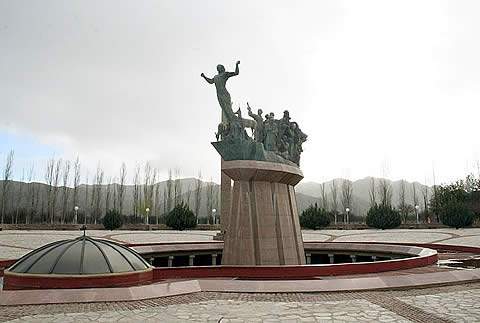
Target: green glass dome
[[80, 256]]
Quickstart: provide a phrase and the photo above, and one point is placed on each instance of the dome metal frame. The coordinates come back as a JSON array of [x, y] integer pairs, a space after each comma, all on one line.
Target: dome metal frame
[[136, 263]]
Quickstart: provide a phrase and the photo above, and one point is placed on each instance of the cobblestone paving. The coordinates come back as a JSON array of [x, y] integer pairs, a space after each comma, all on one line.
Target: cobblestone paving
[[405, 236], [237, 311], [461, 306], [14, 243], [442, 304], [378, 306]]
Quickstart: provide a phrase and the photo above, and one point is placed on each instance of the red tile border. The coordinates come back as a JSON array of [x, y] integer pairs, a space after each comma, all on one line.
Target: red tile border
[[63, 296], [16, 281]]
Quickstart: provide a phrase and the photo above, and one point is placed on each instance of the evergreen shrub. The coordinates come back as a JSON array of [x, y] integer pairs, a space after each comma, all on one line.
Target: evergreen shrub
[[383, 217], [112, 220], [181, 218], [314, 217], [457, 215]]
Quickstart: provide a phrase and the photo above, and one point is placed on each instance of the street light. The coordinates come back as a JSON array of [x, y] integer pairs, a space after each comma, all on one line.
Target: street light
[[76, 215], [347, 210], [148, 210], [416, 211], [214, 211]]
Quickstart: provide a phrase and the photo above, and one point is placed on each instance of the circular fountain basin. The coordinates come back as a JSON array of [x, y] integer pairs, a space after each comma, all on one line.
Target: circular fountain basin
[[383, 257]]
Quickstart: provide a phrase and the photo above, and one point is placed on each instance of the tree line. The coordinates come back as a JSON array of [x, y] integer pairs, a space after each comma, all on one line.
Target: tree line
[[54, 200]]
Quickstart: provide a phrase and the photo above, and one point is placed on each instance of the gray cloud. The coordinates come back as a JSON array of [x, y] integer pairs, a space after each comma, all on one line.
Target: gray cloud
[[119, 80]]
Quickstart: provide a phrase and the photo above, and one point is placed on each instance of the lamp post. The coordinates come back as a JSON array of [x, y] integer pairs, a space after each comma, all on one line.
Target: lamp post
[[75, 220], [214, 212], [146, 220], [347, 210], [416, 212]]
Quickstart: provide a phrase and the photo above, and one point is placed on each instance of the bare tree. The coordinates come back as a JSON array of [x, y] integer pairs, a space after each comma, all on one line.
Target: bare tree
[[434, 198], [66, 191], [49, 188], [414, 195], [136, 191], [334, 192], [372, 192], [76, 180], [347, 196], [209, 204], [121, 187], [86, 198], [108, 193], [43, 217], [114, 191], [177, 187], [198, 194], [7, 175], [215, 200], [19, 198], [188, 195], [384, 186], [157, 201], [385, 192], [402, 204], [92, 199], [165, 202], [425, 202], [323, 197], [36, 203], [151, 191], [31, 194], [147, 173], [98, 193], [169, 191], [56, 180]]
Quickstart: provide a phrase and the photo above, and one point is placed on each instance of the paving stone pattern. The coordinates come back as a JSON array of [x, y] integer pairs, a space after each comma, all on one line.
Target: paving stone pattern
[[441, 304], [237, 311], [460, 306], [419, 305], [14, 243]]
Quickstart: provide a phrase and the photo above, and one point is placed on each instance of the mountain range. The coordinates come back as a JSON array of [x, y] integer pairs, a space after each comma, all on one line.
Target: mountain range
[[308, 193]]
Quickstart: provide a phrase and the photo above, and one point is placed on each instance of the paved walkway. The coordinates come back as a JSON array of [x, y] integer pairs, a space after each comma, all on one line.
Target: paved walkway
[[456, 303], [14, 244], [442, 304]]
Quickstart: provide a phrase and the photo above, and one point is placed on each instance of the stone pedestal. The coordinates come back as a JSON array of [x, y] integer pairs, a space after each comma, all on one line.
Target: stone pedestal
[[263, 227]]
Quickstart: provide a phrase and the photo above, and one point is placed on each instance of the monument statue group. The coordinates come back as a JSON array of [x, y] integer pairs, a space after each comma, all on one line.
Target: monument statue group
[[259, 217], [281, 137]]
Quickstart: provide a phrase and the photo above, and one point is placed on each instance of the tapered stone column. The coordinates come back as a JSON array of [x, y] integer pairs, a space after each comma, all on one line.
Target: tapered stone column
[[225, 199], [225, 196], [263, 227]]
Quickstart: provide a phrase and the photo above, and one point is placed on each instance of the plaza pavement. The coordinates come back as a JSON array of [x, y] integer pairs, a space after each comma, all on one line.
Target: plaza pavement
[[457, 303], [16, 243]]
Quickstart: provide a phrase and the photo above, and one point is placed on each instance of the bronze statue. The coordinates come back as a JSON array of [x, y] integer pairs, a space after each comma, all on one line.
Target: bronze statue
[[272, 140], [283, 124], [220, 80], [271, 133], [258, 134]]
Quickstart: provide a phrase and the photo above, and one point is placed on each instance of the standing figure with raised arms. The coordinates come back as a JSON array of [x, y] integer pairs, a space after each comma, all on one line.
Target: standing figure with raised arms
[[220, 80], [258, 134]]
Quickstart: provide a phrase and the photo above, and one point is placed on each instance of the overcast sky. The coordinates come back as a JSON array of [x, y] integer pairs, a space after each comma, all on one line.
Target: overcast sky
[[381, 87]]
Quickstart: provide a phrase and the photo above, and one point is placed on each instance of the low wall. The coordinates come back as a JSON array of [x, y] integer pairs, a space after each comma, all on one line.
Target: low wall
[[211, 227], [76, 227], [363, 226]]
